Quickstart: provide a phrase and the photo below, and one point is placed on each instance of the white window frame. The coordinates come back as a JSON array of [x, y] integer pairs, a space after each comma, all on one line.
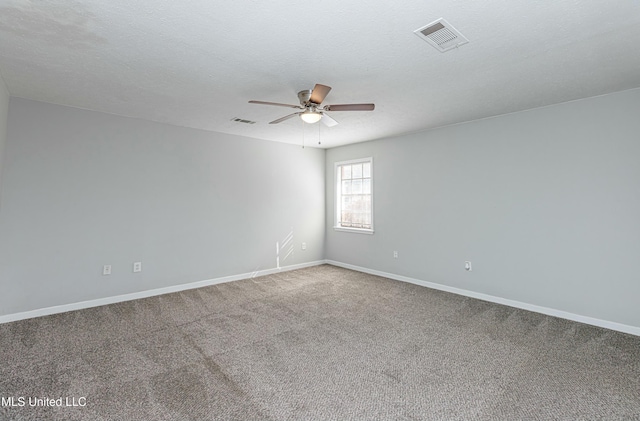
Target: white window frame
[[338, 196]]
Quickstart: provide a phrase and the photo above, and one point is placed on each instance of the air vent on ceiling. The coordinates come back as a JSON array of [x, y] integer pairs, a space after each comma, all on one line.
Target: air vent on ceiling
[[242, 120], [441, 35]]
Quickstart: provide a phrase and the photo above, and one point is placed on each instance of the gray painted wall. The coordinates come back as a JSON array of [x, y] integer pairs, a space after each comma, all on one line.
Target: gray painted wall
[[545, 203], [83, 189], [4, 111]]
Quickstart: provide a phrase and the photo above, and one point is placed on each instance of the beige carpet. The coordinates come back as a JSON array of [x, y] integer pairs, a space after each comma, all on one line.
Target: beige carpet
[[322, 343]]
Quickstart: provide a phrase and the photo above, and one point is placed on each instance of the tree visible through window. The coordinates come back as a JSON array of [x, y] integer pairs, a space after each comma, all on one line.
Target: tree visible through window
[[354, 195]]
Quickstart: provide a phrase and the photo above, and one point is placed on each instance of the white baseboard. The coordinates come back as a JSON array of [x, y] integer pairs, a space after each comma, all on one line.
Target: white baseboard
[[633, 330], [150, 293]]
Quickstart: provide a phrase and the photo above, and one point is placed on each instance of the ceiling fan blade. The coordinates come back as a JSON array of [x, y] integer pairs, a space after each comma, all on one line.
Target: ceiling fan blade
[[319, 93], [281, 119], [275, 103], [350, 107], [328, 121]]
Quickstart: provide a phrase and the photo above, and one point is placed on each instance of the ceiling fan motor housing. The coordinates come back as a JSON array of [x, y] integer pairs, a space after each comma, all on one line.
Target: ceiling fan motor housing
[[304, 97]]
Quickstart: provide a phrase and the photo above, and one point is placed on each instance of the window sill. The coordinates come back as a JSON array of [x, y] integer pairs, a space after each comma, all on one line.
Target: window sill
[[356, 230]]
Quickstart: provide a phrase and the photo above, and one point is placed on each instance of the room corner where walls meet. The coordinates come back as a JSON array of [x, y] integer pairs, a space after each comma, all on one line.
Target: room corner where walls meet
[[4, 117]]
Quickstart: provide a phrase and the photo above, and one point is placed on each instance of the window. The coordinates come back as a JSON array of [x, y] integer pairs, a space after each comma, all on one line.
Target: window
[[354, 196]]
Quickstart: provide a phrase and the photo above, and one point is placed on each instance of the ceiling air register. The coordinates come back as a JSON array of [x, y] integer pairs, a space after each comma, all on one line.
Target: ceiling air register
[[441, 35]]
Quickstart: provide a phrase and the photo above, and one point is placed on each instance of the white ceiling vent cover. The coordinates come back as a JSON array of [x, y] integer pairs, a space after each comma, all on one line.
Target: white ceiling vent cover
[[441, 35], [242, 120]]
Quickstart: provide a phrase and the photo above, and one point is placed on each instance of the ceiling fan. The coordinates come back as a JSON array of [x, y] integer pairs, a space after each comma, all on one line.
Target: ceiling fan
[[312, 110]]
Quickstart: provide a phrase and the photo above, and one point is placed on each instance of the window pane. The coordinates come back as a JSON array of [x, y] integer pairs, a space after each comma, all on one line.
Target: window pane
[[366, 170], [356, 186], [356, 171], [357, 203], [367, 204], [357, 219], [366, 186], [346, 172], [346, 187]]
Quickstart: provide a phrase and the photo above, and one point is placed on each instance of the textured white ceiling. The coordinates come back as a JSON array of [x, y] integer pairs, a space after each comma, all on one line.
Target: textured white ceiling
[[197, 63]]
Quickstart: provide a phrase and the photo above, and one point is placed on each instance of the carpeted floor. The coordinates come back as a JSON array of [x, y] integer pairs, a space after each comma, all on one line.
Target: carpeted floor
[[322, 343]]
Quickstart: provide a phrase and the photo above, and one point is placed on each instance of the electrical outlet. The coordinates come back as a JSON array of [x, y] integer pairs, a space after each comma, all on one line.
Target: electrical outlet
[[106, 270], [137, 267], [304, 246], [395, 254], [467, 266]]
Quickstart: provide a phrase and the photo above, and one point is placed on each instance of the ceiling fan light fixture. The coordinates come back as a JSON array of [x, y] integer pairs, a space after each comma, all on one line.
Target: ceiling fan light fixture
[[310, 116]]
